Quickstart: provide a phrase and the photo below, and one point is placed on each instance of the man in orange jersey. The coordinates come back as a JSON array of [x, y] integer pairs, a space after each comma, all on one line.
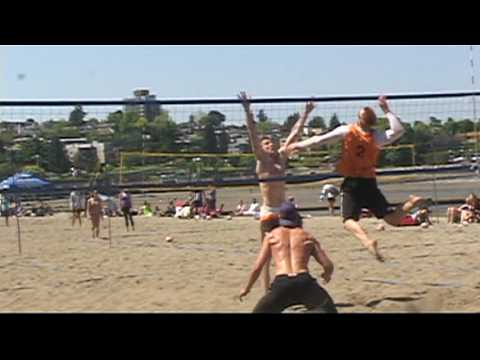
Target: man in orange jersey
[[361, 146], [271, 170]]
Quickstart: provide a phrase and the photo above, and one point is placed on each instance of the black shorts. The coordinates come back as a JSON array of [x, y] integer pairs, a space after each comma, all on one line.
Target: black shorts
[[302, 289], [362, 193]]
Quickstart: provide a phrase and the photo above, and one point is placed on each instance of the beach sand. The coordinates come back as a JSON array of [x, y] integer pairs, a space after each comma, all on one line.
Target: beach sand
[[62, 269]]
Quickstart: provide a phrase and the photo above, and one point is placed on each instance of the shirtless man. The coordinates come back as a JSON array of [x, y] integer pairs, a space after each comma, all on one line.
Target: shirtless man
[[94, 210], [271, 163], [291, 248], [361, 147]]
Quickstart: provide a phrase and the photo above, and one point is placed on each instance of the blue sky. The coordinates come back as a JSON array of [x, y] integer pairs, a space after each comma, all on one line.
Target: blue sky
[[105, 72]]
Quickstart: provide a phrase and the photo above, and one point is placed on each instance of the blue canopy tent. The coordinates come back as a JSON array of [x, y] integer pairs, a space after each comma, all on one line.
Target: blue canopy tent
[[24, 181]]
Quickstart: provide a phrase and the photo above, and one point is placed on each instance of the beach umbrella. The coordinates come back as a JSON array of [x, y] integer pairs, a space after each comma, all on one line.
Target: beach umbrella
[[23, 181]]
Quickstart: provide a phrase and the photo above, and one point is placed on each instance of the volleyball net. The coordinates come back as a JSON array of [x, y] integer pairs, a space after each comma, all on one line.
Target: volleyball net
[[193, 142]]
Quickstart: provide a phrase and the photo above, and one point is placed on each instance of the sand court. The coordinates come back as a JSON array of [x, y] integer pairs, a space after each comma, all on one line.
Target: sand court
[[203, 268]]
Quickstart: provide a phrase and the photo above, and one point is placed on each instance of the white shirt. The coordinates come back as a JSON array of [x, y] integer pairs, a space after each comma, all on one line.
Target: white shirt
[[329, 189], [75, 201], [382, 138], [254, 207]]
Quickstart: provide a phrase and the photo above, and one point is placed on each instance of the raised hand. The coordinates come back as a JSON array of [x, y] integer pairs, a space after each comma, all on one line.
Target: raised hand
[[245, 101], [382, 102], [309, 107]]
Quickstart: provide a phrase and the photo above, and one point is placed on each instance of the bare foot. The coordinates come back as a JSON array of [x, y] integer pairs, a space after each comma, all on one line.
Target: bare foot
[[413, 202], [373, 249]]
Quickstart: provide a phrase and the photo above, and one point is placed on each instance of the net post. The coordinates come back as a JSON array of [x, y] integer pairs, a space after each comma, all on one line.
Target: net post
[[19, 237]]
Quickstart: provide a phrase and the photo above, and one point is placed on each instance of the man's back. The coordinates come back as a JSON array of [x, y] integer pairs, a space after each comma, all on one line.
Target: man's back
[[291, 249]]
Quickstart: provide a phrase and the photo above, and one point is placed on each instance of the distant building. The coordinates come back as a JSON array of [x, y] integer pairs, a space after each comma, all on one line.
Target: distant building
[[75, 145], [147, 108], [21, 128]]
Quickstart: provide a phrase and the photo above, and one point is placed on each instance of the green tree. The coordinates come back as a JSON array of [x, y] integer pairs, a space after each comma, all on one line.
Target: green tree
[[196, 143], [265, 127], [93, 121], [423, 137], [317, 122], [214, 118], [465, 126], [164, 133], [409, 136], [450, 126], [76, 116], [115, 117], [396, 157], [6, 139], [59, 129], [210, 144], [86, 160], [130, 122], [435, 123], [56, 157], [334, 122], [261, 116], [223, 142], [291, 120], [34, 151]]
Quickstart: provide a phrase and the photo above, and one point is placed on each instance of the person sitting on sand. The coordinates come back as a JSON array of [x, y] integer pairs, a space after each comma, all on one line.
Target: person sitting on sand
[[291, 248], [146, 209], [184, 212], [42, 209], [169, 211], [198, 201], [217, 213], [470, 213], [472, 205], [253, 210], [240, 209]]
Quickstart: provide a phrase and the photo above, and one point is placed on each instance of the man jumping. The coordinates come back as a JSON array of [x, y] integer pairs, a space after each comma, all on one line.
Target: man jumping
[[361, 147], [271, 164]]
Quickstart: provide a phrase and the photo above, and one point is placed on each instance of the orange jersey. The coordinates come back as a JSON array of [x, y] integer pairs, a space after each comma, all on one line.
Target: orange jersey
[[359, 154]]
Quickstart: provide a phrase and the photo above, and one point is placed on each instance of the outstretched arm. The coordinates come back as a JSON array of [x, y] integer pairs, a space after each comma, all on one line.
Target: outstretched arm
[[396, 128], [251, 126], [297, 129], [262, 258], [323, 260], [327, 138]]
